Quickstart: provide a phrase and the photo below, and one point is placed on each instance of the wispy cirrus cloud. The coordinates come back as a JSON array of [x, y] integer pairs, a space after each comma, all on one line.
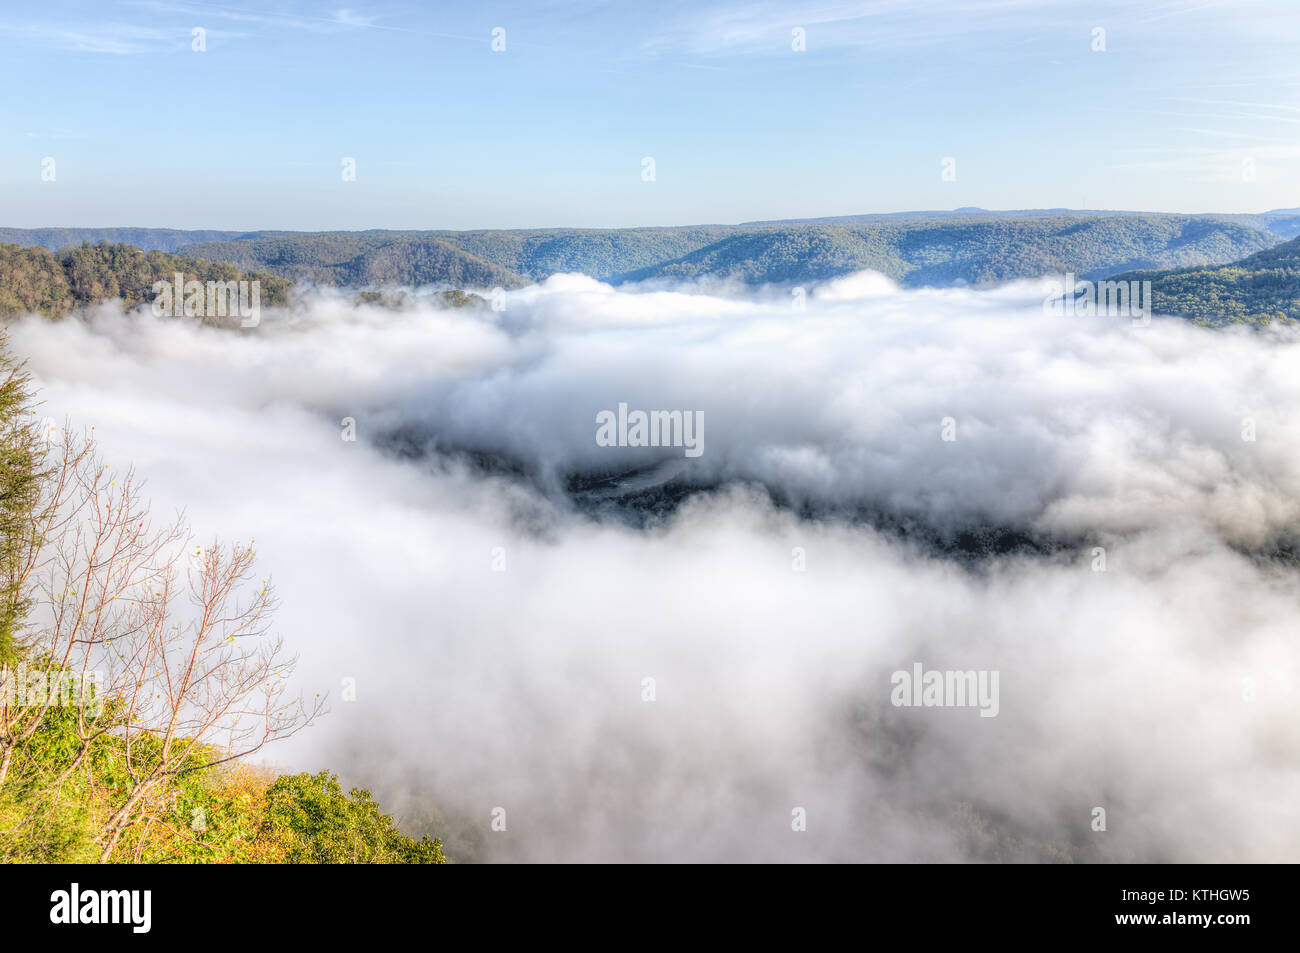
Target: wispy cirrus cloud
[[119, 39], [1218, 164], [739, 29], [346, 17], [340, 20]]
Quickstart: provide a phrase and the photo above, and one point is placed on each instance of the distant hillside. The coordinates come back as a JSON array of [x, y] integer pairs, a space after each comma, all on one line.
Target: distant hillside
[[915, 248], [1210, 270], [1283, 222], [480, 259], [1261, 289], [36, 280], [602, 253], [361, 259], [978, 251], [148, 239]]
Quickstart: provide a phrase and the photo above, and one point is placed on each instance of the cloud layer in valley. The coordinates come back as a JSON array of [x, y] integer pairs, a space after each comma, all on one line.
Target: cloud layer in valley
[[500, 630]]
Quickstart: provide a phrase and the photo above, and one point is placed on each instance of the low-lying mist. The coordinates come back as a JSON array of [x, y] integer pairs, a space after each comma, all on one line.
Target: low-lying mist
[[639, 654]]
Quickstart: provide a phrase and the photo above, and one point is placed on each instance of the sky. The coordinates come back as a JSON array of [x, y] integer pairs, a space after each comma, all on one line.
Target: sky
[[1175, 105]]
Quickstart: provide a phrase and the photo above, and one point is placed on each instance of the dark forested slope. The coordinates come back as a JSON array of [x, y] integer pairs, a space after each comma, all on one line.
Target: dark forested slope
[[1261, 289]]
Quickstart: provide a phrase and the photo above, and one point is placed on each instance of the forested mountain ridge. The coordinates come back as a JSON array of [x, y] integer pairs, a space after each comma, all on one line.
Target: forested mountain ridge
[[916, 251], [1283, 222], [1258, 288], [1261, 289], [361, 259], [915, 248], [148, 239]]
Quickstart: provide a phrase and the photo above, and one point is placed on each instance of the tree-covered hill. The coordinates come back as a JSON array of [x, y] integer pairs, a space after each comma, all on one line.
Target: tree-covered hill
[[1261, 289], [1282, 222], [477, 259], [149, 239], [977, 251], [601, 253], [916, 250], [361, 259], [34, 279]]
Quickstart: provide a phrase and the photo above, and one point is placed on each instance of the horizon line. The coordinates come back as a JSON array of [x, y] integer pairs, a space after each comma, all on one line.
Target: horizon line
[[808, 220]]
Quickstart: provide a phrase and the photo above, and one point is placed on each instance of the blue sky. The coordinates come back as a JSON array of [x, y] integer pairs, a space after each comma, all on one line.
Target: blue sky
[[1192, 106]]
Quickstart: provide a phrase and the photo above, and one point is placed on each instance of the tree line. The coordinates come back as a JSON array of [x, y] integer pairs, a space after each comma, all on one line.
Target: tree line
[[35, 280]]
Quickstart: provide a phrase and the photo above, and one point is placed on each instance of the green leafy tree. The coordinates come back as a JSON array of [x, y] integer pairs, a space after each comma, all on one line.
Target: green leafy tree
[[319, 824]]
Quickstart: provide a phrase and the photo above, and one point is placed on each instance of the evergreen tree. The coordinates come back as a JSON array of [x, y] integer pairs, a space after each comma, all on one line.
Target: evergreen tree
[[20, 485]]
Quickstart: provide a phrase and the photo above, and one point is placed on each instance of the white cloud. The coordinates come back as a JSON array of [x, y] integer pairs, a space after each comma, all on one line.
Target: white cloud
[[1121, 689]]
